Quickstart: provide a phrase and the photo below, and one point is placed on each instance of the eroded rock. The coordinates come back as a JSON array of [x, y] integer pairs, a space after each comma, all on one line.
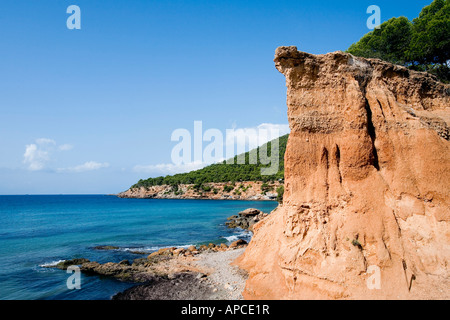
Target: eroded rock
[[367, 163]]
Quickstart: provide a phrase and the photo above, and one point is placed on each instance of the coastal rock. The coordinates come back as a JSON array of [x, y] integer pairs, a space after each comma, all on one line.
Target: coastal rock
[[246, 219], [106, 248], [179, 251], [145, 261], [63, 265], [246, 190], [367, 185], [139, 271], [250, 212], [162, 252], [201, 278], [125, 263], [138, 252], [120, 271], [182, 286], [238, 244], [165, 264]]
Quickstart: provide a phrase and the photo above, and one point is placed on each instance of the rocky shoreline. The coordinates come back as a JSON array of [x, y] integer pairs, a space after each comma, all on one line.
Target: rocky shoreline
[[201, 272], [218, 280], [182, 286], [164, 263], [247, 190], [194, 273]]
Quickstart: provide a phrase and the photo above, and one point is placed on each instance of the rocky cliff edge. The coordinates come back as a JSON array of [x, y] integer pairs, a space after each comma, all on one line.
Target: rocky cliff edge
[[367, 177]]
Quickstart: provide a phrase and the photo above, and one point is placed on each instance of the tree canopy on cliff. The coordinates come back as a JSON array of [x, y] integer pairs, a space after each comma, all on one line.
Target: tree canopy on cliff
[[223, 172], [423, 44]]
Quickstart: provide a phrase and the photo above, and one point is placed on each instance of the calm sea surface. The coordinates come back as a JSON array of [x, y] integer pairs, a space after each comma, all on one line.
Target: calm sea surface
[[36, 231]]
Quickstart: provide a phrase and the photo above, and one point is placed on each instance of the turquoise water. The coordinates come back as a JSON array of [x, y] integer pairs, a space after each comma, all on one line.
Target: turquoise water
[[39, 230]]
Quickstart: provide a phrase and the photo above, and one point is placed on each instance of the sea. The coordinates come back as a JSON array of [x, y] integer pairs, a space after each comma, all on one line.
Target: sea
[[38, 231]]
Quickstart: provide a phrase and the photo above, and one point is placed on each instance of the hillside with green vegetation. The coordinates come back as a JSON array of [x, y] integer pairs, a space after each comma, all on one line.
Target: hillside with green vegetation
[[422, 44], [226, 172]]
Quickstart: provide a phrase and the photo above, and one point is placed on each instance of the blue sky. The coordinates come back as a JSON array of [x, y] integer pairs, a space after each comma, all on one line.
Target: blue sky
[[82, 109]]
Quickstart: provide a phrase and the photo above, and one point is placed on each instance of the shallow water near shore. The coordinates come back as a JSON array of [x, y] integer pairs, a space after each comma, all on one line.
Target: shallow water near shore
[[36, 231]]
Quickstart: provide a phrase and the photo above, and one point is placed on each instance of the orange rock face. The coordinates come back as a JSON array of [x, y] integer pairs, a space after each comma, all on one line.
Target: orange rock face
[[367, 177]]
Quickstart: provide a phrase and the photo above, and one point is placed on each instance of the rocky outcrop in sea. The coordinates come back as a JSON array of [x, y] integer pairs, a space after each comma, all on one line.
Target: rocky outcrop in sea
[[246, 219]]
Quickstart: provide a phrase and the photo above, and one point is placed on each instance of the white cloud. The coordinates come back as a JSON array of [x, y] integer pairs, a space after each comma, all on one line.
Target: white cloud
[[37, 154], [35, 157], [42, 153], [87, 166], [246, 139]]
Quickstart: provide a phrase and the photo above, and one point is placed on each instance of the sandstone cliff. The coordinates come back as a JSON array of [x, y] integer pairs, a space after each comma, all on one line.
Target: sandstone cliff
[[367, 179]]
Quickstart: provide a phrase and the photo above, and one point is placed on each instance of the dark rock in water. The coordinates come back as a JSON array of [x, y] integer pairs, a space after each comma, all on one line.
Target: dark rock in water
[[246, 219], [74, 262], [138, 252], [238, 243], [120, 271], [183, 286], [106, 248], [250, 212]]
